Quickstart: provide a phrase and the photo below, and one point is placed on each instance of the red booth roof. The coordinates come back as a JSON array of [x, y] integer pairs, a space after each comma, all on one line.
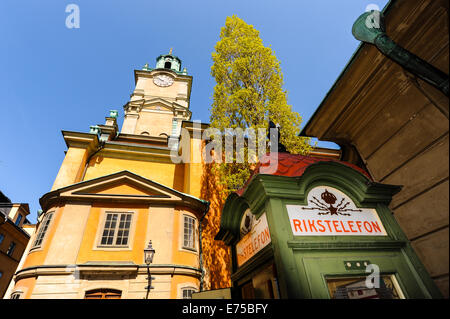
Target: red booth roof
[[292, 166]]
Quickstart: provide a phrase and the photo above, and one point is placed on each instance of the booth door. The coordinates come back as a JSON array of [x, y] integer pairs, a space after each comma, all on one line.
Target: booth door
[[344, 276], [247, 291], [262, 284]]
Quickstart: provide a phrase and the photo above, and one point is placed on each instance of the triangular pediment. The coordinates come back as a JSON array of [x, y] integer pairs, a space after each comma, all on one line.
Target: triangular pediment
[[121, 187], [163, 104], [124, 184]]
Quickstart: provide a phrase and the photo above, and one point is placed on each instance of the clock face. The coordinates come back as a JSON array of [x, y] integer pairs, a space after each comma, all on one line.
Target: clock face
[[163, 80]]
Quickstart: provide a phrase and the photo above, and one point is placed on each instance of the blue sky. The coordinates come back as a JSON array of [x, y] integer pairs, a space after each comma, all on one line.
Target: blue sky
[[53, 78]]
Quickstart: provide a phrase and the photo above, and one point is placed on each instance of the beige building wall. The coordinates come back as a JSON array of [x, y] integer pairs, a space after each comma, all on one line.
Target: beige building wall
[[63, 248], [71, 168], [154, 122], [132, 286]]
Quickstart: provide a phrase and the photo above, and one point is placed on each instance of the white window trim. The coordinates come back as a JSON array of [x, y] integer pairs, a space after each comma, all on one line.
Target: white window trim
[[186, 285], [17, 292], [44, 238], [20, 219], [181, 246], [101, 226]]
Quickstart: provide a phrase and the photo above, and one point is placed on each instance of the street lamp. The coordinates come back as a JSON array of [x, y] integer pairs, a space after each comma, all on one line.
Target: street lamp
[[149, 252]]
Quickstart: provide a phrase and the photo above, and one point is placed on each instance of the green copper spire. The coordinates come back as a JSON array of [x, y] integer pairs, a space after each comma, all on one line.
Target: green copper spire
[[168, 61]]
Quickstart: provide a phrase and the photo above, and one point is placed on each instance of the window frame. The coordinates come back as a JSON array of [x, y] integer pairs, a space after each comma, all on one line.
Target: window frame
[[18, 220], [185, 289], [47, 217], [181, 288], [16, 295], [11, 249], [194, 233], [103, 293], [102, 223]]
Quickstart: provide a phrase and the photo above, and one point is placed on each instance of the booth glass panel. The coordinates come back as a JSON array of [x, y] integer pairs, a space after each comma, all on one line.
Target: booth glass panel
[[356, 288]]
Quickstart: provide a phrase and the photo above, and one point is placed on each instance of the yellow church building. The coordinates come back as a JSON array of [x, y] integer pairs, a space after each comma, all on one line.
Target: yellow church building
[[119, 190], [116, 191]]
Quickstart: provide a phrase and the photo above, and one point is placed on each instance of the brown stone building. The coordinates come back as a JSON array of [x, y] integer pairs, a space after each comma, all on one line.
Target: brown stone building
[[395, 125], [13, 238]]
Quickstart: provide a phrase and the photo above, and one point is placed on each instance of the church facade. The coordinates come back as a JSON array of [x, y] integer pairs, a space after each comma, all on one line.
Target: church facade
[[116, 191]]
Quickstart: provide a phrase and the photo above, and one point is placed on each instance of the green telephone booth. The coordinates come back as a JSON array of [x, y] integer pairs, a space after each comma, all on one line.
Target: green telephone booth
[[319, 228]]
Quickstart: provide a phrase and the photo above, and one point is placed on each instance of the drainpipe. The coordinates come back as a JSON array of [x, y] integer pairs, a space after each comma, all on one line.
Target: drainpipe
[[370, 28], [200, 243], [99, 148], [94, 130]]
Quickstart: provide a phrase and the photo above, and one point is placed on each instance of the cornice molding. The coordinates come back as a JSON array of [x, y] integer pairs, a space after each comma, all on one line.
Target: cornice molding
[[345, 245], [149, 152], [85, 192], [81, 140], [91, 142], [100, 268], [154, 72], [137, 106]]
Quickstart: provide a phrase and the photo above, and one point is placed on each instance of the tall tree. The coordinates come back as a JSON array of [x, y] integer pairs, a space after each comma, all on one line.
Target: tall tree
[[249, 93]]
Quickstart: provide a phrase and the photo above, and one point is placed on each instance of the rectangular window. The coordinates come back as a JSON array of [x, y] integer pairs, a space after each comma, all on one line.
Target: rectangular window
[[42, 230], [11, 248], [174, 127], [1, 238], [189, 234], [116, 230], [19, 218], [187, 293]]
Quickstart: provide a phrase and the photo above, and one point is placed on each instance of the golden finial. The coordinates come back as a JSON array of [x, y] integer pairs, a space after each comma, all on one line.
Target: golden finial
[[170, 52]]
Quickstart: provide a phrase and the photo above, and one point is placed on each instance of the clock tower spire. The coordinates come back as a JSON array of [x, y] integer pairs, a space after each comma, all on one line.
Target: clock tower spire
[[160, 100]]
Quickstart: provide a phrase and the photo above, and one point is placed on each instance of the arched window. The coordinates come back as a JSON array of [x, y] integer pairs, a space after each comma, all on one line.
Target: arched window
[[16, 294], [103, 293], [167, 65]]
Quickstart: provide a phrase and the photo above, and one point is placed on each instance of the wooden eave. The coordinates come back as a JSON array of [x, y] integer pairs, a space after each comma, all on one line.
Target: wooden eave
[[370, 79]]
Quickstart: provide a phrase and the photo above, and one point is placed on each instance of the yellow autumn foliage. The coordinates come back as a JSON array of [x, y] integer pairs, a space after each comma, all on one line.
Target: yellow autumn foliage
[[248, 93]]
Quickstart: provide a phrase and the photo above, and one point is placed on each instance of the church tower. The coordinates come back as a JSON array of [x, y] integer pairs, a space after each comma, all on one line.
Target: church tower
[[160, 100]]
